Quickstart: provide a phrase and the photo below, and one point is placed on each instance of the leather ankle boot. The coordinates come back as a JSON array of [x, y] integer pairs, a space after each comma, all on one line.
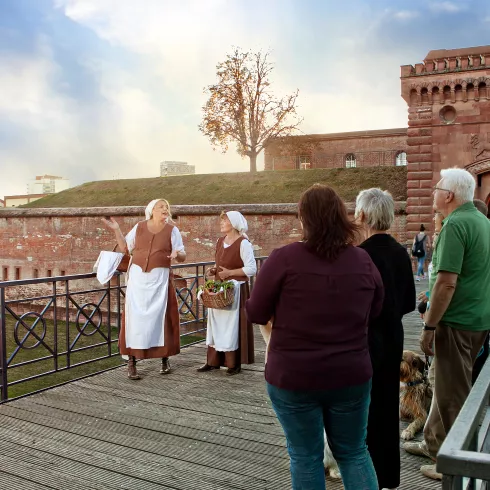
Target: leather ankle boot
[[132, 372], [165, 369]]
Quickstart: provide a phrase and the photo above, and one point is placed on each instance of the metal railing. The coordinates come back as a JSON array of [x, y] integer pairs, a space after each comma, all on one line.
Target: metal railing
[[464, 458], [52, 325]]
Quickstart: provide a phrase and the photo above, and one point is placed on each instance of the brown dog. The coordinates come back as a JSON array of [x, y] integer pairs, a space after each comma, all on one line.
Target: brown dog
[[415, 393]]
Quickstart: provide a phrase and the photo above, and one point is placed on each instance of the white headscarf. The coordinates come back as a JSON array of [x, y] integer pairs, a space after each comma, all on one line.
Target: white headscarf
[[238, 222], [149, 208]]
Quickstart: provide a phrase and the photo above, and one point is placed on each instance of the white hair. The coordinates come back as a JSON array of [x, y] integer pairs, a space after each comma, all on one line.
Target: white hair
[[378, 208], [460, 182]]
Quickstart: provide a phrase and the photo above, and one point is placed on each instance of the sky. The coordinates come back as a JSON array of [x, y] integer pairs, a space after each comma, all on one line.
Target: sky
[[104, 89]]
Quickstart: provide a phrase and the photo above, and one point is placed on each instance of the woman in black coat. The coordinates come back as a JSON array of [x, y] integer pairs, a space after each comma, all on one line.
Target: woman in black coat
[[375, 211]]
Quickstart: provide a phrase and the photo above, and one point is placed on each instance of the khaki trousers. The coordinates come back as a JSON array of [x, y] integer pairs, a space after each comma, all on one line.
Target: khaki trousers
[[452, 368]]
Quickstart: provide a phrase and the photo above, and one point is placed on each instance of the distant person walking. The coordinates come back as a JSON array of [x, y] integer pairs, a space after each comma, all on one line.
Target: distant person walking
[[420, 247]]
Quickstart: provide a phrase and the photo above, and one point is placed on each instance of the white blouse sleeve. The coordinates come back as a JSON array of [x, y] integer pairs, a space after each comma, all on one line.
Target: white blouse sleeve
[[177, 243], [248, 258], [131, 238]]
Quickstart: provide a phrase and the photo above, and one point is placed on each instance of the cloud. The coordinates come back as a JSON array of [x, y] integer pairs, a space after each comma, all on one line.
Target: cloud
[[447, 7], [406, 15], [107, 89]]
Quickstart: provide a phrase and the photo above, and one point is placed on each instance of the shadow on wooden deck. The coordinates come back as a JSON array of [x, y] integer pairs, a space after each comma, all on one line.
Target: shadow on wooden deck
[[184, 431]]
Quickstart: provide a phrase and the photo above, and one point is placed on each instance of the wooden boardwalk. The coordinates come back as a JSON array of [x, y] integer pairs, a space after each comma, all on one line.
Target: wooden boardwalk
[[184, 431]]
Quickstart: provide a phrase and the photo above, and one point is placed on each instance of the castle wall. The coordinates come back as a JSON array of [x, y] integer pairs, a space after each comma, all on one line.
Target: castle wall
[[54, 242]]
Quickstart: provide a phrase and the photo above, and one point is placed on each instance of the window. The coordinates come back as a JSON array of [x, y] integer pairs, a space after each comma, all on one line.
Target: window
[[350, 161], [63, 273], [304, 162], [17, 273], [49, 273], [401, 159], [5, 273], [35, 273]]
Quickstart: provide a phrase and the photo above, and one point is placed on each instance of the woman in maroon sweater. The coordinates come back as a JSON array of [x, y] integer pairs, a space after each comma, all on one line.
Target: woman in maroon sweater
[[322, 292]]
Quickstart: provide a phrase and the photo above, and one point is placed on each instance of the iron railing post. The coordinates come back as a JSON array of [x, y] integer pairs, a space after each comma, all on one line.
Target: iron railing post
[[67, 324], [55, 326], [3, 346], [109, 327]]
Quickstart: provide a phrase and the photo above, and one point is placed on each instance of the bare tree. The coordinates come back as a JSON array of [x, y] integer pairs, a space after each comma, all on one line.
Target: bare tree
[[242, 109]]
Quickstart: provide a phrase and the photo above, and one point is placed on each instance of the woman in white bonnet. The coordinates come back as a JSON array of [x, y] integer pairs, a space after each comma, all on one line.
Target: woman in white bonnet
[[150, 327], [230, 335]]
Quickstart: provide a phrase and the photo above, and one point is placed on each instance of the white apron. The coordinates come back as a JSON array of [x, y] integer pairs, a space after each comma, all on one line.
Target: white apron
[[223, 325], [146, 306]]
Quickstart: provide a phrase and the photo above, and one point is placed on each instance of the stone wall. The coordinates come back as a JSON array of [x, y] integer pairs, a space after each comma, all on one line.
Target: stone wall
[[368, 149], [43, 242]]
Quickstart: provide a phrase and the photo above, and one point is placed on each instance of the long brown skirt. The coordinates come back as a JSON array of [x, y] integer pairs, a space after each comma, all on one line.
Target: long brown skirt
[[171, 334], [245, 354]]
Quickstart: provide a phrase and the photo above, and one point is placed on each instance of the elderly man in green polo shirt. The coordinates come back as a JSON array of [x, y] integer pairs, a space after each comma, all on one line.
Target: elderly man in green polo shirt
[[459, 316]]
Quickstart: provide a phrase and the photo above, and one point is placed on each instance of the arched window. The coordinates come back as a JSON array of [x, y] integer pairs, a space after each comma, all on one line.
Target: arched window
[[446, 93], [482, 90], [413, 97], [350, 161], [458, 92], [401, 159], [435, 94]]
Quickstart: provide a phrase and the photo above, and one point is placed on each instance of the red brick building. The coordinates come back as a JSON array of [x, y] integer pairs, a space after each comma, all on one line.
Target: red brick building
[[448, 98], [336, 150]]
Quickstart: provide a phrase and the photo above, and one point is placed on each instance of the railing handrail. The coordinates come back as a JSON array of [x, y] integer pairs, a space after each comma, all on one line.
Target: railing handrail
[[89, 275], [456, 456]]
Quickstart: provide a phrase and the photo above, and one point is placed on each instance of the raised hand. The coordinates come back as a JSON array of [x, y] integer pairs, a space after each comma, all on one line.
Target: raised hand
[[110, 223]]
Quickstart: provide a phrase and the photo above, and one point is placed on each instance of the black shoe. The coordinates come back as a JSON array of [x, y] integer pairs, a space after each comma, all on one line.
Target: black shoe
[[206, 367], [233, 371], [165, 369]]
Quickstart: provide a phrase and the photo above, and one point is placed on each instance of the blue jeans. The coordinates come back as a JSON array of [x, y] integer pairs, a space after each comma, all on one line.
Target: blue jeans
[[343, 413], [420, 268]]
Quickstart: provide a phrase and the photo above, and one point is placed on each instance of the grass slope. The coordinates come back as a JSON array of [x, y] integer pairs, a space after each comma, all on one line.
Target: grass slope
[[230, 188]]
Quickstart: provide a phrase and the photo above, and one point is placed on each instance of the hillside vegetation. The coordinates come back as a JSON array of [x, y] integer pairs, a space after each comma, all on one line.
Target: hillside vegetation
[[230, 188]]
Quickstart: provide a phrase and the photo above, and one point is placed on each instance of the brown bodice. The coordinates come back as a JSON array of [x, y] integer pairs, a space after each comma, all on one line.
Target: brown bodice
[[152, 250], [230, 257]]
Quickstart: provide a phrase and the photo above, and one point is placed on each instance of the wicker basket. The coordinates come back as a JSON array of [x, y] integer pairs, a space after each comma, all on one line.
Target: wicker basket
[[218, 301]]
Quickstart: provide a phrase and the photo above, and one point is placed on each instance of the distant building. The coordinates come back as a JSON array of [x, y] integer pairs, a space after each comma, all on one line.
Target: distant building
[[47, 184], [14, 201], [169, 168]]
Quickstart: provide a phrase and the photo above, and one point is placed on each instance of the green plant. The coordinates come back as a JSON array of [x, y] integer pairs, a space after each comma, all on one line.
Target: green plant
[[212, 286]]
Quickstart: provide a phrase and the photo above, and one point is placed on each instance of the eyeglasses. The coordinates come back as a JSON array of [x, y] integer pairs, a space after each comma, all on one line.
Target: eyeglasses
[[441, 189]]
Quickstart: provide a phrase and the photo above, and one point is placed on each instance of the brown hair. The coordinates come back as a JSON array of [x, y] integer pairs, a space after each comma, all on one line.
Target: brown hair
[[327, 229]]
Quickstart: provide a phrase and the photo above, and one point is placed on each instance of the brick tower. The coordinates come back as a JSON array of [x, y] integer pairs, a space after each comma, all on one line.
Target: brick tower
[[448, 97]]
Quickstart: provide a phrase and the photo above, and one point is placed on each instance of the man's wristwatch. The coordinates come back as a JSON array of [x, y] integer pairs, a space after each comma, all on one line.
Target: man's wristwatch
[[427, 327]]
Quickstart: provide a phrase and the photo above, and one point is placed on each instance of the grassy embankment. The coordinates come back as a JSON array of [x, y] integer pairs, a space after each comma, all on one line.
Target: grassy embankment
[[239, 188]]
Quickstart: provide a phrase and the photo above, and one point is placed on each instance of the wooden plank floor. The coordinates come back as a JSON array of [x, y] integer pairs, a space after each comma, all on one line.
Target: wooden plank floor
[[184, 431]]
